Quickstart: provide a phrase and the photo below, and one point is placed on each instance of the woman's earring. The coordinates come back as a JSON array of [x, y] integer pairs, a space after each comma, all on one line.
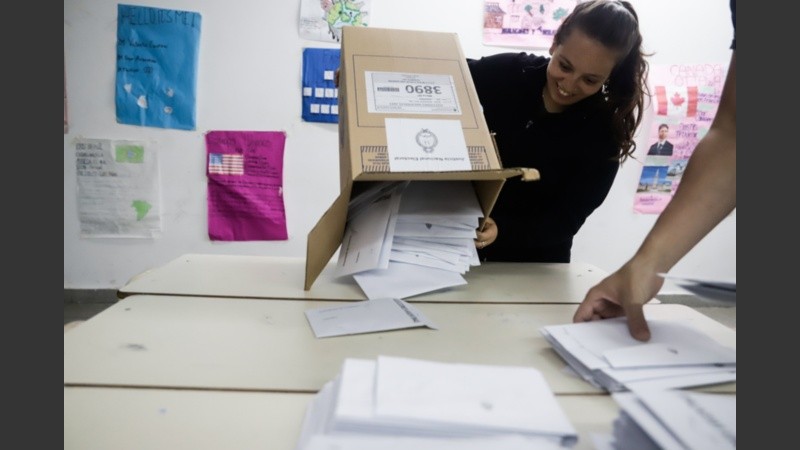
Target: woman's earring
[[604, 90]]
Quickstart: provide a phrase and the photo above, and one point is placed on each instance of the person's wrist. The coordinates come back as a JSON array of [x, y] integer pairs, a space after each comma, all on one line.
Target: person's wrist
[[645, 265]]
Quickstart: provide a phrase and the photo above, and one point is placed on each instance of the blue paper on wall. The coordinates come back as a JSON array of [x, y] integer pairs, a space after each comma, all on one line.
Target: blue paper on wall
[[157, 52], [320, 95]]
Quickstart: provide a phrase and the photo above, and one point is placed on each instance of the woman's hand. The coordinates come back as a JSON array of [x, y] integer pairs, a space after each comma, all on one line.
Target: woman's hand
[[488, 235]]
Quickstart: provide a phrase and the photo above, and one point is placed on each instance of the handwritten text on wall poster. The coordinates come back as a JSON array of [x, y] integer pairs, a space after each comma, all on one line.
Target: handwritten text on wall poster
[[157, 54], [245, 185], [684, 103], [523, 23], [118, 188]]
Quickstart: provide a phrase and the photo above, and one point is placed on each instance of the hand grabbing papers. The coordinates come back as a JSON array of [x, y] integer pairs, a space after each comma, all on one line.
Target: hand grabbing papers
[[677, 355]]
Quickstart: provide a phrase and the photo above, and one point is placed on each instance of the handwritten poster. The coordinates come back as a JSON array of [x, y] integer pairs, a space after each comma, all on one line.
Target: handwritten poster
[[685, 100], [157, 53], [245, 185], [322, 20], [118, 189], [523, 23]]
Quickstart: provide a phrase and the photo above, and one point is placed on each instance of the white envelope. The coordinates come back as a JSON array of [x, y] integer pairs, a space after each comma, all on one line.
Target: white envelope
[[366, 317], [402, 280], [703, 351]]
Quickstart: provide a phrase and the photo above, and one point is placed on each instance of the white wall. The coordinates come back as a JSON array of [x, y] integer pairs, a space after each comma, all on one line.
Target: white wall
[[249, 78]]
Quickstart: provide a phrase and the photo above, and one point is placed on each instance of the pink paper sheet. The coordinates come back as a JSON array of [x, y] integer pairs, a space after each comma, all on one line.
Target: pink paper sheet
[[245, 185]]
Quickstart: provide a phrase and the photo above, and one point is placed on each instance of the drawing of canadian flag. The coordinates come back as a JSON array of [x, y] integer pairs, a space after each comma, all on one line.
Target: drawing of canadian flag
[[676, 101]]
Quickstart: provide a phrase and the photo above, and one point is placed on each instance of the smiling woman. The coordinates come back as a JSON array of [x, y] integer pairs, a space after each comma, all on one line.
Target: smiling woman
[[572, 116], [572, 76]]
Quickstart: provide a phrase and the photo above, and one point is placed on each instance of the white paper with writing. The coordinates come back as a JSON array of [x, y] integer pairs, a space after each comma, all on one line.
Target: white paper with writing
[[411, 93], [419, 145]]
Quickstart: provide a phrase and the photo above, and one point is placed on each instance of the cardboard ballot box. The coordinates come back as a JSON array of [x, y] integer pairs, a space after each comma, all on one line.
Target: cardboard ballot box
[[408, 110]]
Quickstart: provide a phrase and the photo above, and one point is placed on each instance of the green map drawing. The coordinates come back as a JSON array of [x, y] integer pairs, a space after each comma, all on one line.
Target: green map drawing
[[129, 154], [142, 208], [339, 13]]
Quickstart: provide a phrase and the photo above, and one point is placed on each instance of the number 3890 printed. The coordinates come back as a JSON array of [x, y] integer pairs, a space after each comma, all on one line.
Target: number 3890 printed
[[391, 92]]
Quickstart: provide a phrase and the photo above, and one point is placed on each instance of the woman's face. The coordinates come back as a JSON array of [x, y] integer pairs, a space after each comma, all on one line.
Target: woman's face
[[578, 68]]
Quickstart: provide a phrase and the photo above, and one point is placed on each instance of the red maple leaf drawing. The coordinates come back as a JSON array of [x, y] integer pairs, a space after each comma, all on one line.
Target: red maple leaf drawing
[[677, 99]]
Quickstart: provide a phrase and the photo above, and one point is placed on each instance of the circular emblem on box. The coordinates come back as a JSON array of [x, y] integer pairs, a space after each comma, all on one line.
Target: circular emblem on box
[[427, 140]]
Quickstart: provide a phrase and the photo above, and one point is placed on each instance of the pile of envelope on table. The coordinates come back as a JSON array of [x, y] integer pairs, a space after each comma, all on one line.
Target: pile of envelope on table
[[395, 402], [646, 379]]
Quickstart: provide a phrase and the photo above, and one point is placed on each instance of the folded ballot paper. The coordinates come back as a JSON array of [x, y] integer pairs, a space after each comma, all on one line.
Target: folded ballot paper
[[391, 401], [677, 355], [674, 419], [369, 316]]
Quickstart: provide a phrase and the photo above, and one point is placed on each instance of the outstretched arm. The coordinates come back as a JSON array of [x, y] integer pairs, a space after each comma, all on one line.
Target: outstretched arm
[[706, 195]]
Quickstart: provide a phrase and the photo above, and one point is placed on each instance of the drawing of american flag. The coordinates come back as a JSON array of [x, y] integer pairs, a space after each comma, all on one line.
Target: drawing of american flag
[[226, 163]]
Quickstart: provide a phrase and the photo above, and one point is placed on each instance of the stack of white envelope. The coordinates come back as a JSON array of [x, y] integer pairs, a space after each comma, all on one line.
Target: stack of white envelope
[[406, 238], [677, 355], [435, 405], [674, 419], [711, 290]]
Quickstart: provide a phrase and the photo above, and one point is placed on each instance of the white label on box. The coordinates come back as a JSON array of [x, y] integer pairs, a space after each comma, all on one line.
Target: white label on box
[[418, 93], [426, 145]]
